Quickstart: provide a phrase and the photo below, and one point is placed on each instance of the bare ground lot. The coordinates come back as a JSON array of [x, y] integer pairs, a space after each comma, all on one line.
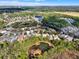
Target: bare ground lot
[[69, 13]]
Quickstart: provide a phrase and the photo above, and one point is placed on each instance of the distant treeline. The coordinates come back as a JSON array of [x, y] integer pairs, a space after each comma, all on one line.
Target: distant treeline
[[10, 10], [53, 8], [40, 8]]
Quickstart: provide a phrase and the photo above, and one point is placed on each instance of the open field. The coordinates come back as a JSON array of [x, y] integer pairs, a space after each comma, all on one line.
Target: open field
[[69, 13]]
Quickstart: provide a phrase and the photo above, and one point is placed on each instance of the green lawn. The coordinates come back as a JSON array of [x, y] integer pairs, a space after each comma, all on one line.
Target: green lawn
[[19, 50]]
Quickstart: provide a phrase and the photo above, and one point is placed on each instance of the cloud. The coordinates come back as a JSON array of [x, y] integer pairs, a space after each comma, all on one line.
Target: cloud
[[21, 3], [39, 0], [17, 3], [30, 3]]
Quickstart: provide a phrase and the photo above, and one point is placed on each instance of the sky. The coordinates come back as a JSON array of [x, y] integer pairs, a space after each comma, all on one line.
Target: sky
[[39, 2]]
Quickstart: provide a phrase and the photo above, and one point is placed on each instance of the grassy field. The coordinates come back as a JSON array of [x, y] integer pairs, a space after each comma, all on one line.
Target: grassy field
[[19, 50], [69, 13]]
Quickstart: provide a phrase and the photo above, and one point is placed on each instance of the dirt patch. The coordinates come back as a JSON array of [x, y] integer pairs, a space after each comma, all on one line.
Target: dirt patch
[[38, 49], [66, 55]]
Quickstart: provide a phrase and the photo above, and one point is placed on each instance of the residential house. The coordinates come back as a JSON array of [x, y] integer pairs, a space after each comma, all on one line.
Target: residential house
[[21, 37], [38, 18]]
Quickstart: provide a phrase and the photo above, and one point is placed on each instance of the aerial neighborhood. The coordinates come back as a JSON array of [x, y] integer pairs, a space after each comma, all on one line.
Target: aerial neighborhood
[[12, 33]]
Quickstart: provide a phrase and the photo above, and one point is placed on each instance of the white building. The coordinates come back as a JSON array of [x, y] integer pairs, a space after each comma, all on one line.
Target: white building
[[66, 37], [38, 18]]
